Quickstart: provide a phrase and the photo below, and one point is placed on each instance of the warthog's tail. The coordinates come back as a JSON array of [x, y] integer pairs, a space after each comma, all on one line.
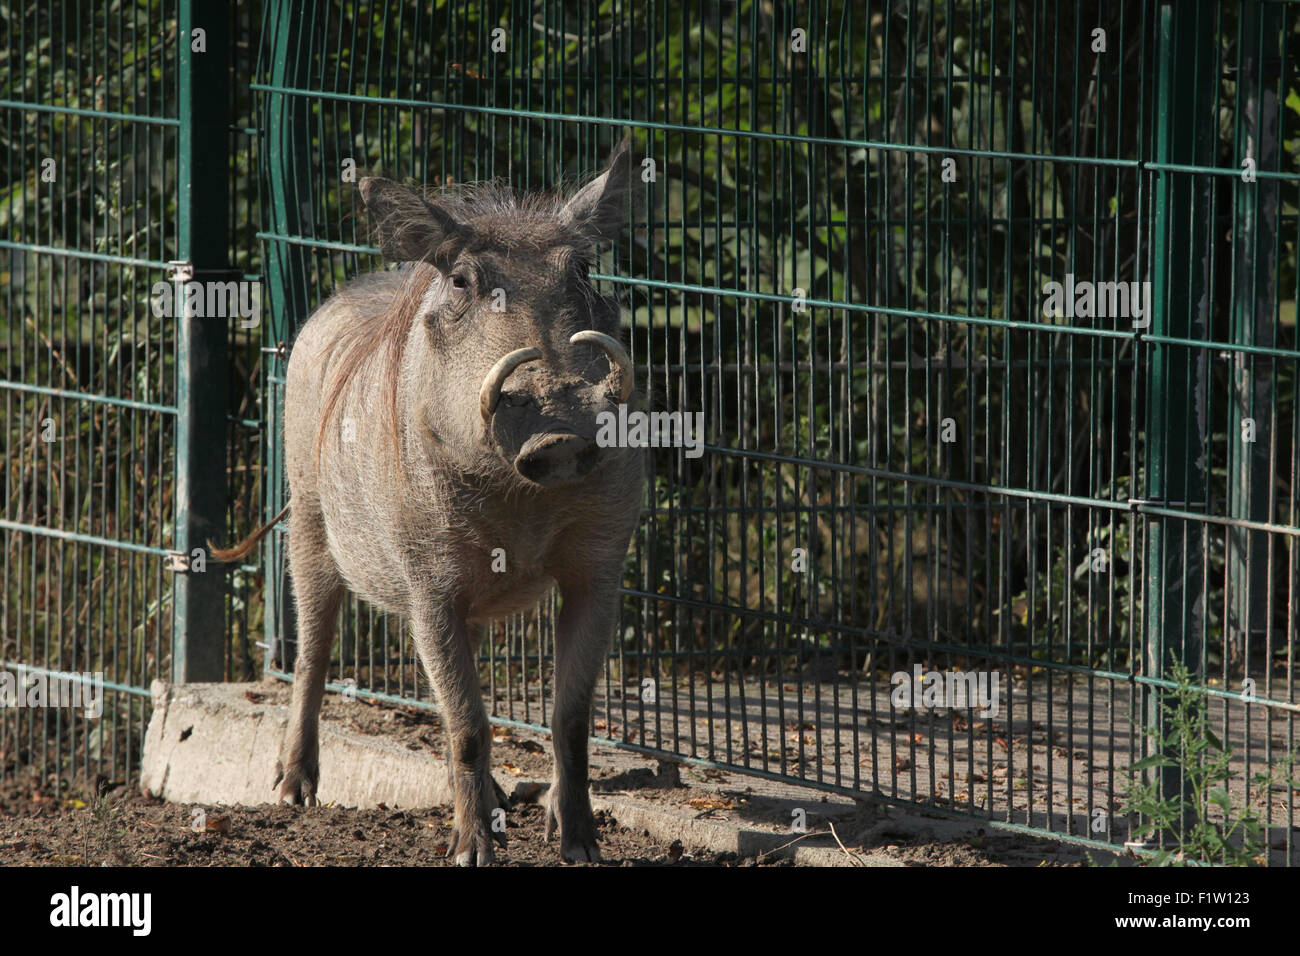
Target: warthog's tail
[[226, 555]]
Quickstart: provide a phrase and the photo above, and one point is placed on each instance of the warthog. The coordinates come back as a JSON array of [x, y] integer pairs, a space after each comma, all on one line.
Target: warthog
[[442, 411]]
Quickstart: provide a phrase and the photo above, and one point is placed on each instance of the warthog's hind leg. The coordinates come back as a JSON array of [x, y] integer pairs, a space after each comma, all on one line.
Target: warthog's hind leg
[[318, 591]]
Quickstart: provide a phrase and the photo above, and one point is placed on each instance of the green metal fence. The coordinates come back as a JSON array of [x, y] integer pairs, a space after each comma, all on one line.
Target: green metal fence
[[920, 454], [122, 172]]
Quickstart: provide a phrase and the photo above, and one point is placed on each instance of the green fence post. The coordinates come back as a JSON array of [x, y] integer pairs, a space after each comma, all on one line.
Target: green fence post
[[1250, 428], [203, 161], [1177, 406], [288, 189]]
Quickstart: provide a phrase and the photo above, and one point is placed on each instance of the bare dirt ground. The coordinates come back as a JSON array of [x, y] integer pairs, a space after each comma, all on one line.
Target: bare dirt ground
[[40, 825], [123, 827], [126, 828]]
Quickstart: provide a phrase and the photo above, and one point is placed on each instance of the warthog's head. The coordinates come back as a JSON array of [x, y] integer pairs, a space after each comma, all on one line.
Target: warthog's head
[[522, 351]]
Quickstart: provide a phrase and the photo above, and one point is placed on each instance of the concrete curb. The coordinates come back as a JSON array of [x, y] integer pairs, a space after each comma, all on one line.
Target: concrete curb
[[211, 743], [216, 744], [667, 824]]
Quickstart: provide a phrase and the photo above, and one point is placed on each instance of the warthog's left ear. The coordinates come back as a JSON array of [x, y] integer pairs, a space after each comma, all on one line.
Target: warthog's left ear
[[600, 207], [409, 227]]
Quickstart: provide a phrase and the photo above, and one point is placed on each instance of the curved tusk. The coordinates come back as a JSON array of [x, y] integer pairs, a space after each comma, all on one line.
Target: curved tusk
[[490, 393], [619, 362]]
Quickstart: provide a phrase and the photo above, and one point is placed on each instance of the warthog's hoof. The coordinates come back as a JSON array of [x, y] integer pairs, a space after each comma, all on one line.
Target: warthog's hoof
[[296, 785], [472, 845], [578, 843], [579, 851]]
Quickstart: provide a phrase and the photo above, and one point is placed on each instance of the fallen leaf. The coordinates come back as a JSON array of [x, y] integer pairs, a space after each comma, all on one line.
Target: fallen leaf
[[511, 768], [218, 825], [711, 803]]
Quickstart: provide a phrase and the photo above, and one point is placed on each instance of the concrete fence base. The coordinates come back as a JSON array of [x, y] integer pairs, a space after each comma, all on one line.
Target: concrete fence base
[[209, 743]]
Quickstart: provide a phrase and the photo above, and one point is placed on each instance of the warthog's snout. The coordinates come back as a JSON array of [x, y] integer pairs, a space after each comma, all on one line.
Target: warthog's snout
[[553, 458], [553, 454]]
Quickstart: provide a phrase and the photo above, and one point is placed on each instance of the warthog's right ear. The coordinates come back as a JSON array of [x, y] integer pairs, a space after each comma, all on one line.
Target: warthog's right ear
[[409, 227]]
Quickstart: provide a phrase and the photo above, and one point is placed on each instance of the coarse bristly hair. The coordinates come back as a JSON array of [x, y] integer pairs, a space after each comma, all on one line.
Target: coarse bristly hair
[[497, 217]]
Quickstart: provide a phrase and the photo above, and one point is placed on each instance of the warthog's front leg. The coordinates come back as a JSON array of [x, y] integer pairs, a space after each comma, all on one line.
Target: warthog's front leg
[[581, 642], [445, 646]]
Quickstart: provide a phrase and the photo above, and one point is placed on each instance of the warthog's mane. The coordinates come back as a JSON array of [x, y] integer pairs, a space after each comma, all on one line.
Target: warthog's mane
[[499, 218]]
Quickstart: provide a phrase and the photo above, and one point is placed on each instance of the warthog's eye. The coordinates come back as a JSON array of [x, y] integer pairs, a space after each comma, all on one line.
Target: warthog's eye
[[458, 281]]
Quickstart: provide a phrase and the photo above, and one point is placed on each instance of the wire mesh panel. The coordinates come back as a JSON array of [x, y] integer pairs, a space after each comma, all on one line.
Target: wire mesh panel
[[99, 133], [1219, 498], [991, 327], [89, 130]]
